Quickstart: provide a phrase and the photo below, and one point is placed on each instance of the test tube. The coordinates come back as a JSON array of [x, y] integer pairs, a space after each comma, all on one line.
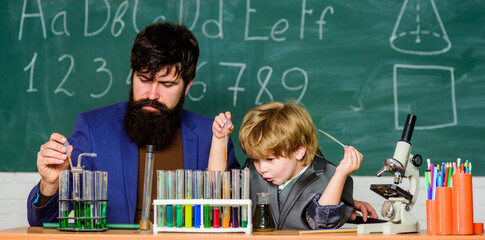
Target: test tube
[[236, 188], [245, 174], [98, 187], [226, 194], [104, 203], [98, 195], [147, 188], [198, 187], [76, 195], [188, 195], [179, 212], [216, 194], [63, 198], [88, 196], [161, 194], [171, 195], [207, 195]]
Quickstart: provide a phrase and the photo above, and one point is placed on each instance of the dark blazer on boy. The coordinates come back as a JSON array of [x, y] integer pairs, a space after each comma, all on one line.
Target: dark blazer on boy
[[300, 210]]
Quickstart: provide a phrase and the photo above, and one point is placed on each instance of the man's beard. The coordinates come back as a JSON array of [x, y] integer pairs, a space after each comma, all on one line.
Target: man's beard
[[156, 128]]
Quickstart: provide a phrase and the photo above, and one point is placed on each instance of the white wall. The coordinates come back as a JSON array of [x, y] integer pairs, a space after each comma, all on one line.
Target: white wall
[[15, 187]]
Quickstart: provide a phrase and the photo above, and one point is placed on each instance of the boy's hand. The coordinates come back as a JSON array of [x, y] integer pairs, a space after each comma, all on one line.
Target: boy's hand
[[222, 123], [351, 161], [365, 208]]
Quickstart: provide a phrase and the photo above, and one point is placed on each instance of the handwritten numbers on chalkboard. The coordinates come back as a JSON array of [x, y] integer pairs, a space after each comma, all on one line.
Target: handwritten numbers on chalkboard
[[197, 83], [31, 74], [128, 79], [303, 86], [236, 87], [263, 85], [103, 69], [59, 88]]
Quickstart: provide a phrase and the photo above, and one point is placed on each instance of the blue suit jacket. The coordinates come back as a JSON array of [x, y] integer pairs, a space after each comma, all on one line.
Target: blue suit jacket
[[101, 131]]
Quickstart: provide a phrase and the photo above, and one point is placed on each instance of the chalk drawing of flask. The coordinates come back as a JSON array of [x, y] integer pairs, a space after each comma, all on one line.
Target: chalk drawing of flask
[[419, 29]]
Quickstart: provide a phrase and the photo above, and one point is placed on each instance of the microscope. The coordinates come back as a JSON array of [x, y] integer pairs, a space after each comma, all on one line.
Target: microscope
[[399, 202]]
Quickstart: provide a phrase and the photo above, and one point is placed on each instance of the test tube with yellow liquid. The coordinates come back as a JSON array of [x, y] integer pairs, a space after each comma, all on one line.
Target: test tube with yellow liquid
[[188, 195]]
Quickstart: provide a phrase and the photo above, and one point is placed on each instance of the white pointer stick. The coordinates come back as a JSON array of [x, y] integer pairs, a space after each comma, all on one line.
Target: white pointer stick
[[334, 139]]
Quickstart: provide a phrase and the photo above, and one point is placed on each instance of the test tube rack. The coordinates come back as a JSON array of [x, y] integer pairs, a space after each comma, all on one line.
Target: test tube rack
[[90, 209], [71, 228], [212, 202]]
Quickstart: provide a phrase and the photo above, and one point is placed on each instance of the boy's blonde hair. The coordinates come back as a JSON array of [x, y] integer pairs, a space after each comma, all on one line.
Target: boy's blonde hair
[[278, 129]]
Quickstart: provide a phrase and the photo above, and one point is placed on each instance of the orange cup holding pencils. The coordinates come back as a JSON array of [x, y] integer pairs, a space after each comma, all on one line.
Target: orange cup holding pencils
[[462, 202], [444, 199], [432, 216]]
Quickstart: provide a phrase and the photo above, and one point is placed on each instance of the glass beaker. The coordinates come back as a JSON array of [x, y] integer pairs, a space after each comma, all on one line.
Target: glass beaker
[[263, 217]]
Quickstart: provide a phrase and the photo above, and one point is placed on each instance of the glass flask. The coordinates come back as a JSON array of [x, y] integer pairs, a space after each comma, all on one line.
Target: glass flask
[[263, 217]]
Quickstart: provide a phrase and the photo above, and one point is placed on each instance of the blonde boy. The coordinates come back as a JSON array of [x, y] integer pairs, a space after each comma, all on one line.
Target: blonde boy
[[307, 191]]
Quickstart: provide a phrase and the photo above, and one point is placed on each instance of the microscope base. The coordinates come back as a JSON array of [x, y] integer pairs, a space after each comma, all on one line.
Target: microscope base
[[388, 228]]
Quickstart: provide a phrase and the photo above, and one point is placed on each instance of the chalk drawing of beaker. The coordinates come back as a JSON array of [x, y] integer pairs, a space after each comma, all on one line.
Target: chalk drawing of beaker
[[419, 29]]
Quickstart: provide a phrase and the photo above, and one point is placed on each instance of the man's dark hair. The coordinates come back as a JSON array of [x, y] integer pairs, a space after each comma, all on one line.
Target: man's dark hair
[[163, 46]]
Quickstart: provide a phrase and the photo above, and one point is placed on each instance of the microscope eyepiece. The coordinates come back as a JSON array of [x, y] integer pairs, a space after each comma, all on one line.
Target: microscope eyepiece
[[407, 133]]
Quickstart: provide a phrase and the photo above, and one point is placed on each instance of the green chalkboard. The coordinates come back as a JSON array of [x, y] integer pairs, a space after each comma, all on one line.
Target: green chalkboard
[[359, 66]]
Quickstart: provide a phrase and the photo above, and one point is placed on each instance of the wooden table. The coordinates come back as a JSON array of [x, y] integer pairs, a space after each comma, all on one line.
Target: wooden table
[[41, 233]]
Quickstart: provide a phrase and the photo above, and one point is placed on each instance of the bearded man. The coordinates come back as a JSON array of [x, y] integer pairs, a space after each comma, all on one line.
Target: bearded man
[[163, 61]]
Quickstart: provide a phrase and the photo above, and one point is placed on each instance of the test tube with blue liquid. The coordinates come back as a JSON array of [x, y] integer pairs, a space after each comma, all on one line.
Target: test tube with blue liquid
[[63, 197], [179, 212], [207, 195], [188, 195], [170, 177], [198, 188], [216, 194], [235, 174], [245, 174], [161, 194]]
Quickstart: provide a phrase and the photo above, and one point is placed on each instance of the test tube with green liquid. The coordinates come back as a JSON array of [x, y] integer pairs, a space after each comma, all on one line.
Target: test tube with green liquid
[[63, 197], [207, 195], [98, 188], [170, 177], [161, 194], [76, 196], [88, 197], [226, 194], [216, 194], [104, 204], [188, 195], [198, 188], [245, 174], [179, 211], [236, 188]]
